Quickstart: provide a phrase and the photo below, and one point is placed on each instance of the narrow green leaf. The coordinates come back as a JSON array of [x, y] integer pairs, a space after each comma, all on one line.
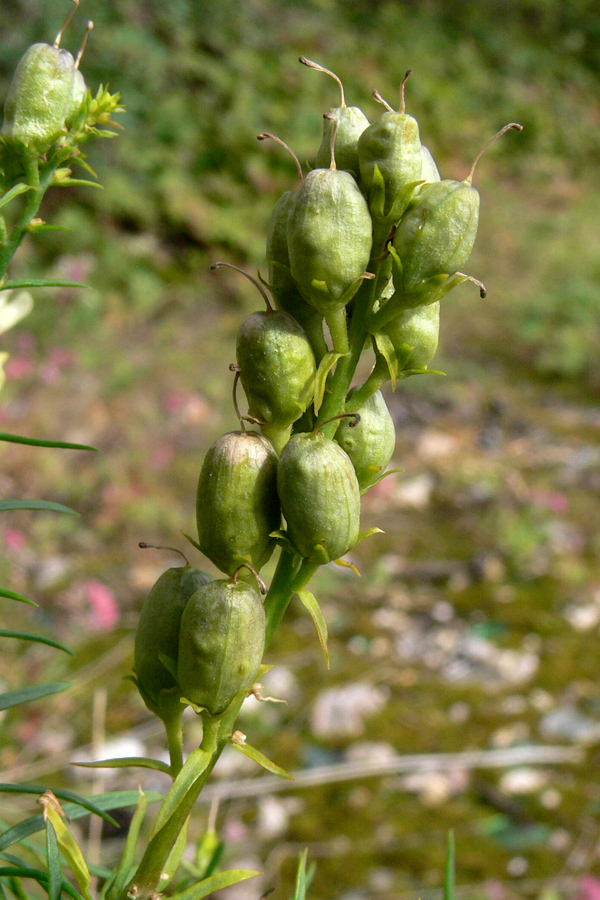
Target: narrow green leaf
[[25, 695], [325, 367], [47, 505], [380, 478], [39, 282], [191, 540], [300, 888], [102, 802], [377, 193], [215, 883], [310, 602], [70, 182], [62, 794], [192, 769], [71, 850], [450, 868], [14, 192], [10, 595], [42, 227], [54, 863], [259, 758], [368, 532], [34, 442], [125, 762], [175, 857], [123, 872], [36, 638]]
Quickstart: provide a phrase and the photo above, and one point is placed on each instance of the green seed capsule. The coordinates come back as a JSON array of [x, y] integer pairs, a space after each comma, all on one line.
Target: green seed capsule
[[158, 633], [329, 237], [281, 284], [39, 97], [320, 496], [237, 506], [389, 154], [437, 234], [221, 644], [370, 444], [429, 170], [351, 122], [277, 368], [414, 335]]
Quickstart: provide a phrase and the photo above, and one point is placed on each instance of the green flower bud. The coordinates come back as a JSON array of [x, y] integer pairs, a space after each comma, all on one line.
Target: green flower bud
[[39, 97], [320, 497], [389, 154], [221, 644], [370, 443], [414, 335], [158, 633], [277, 368], [329, 238], [237, 506]]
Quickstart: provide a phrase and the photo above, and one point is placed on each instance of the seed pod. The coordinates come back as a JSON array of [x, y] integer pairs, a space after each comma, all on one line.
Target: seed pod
[[351, 122], [389, 154], [429, 170], [39, 97], [371, 442], [158, 633], [237, 506], [40, 94], [277, 367], [329, 238], [320, 496], [414, 335], [221, 644], [437, 234]]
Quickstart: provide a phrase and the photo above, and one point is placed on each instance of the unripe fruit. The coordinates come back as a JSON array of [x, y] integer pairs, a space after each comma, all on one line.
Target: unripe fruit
[[221, 644], [277, 367], [158, 633], [351, 122], [329, 237], [437, 234], [429, 170], [320, 496], [391, 144], [414, 335], [237, 506], [39, 97], [371, 442]]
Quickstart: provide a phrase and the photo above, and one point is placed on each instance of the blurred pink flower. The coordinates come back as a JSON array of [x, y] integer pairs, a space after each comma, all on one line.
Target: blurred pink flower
[[105, 611], [14, 539]]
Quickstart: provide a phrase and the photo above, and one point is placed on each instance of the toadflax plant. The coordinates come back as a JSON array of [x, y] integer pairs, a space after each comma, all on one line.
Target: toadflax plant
[[358, 257]]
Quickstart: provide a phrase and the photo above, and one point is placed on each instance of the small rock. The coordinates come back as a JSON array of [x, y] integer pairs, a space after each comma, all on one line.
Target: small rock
[[339, 712], [567, 723], [524, 780], [414, 492]]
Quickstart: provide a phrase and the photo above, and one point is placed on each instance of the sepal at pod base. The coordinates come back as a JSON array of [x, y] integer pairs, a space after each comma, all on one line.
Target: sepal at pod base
[[371, 442], [237, 506], [320, 497], [221, 644], [157, 636]]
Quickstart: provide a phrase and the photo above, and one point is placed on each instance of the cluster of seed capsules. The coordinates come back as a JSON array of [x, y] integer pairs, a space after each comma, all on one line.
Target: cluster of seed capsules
[[374, 236]]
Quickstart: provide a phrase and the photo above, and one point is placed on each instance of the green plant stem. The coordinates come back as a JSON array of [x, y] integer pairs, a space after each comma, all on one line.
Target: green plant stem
[[335, 396], [280, 593], [173, 727], [374, 382], [39, 182]]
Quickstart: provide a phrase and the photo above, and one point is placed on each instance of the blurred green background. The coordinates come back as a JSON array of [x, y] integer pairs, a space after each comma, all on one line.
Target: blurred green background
[[477, 617]]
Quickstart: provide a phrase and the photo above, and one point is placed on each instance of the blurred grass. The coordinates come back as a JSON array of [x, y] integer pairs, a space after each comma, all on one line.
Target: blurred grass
[[138, 366]]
